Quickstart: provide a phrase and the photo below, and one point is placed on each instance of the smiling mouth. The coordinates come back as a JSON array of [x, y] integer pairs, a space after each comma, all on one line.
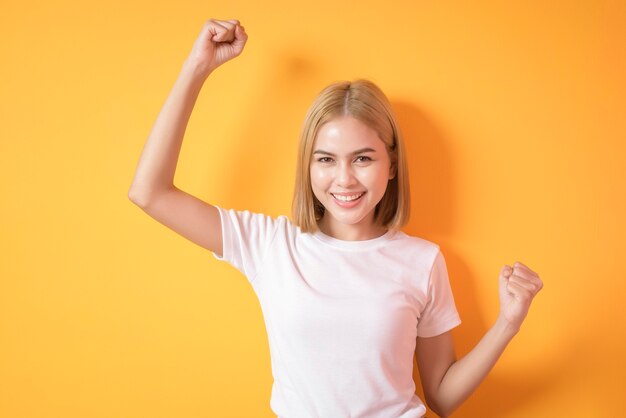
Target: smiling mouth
[[350, 198]]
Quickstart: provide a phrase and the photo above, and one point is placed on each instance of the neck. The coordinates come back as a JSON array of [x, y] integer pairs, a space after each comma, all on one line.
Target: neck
[[351, 232]]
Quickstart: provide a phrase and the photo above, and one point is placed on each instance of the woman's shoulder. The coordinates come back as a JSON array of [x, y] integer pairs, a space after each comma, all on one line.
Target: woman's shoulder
[[253, 219], [257, 214], [415, 245]]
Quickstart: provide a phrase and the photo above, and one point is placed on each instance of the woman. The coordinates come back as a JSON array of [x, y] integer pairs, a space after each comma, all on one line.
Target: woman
[[347, 297]]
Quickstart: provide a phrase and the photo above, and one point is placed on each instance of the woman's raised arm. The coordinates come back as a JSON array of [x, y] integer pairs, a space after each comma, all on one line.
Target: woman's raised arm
[[152, 187], [448, 382]]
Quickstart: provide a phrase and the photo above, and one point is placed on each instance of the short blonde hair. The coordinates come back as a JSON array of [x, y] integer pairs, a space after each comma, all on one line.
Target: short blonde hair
[[366, 102]]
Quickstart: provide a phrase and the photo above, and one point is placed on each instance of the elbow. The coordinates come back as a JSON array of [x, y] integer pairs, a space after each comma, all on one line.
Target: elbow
[[442, 410], [444, 414], [136, 198], [143, 198], [436, 410]]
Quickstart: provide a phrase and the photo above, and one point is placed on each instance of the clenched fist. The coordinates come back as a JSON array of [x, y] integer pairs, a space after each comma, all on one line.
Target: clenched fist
[[518, 286], [218, 42]]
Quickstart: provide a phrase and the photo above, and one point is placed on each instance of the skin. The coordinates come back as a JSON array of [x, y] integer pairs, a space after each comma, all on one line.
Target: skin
[[336, 168]]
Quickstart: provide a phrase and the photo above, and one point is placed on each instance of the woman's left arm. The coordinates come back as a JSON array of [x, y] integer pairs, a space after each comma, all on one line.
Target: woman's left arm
[[448, 382]]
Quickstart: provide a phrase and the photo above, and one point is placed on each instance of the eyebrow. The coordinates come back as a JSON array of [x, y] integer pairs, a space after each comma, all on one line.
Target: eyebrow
[[359, 151]]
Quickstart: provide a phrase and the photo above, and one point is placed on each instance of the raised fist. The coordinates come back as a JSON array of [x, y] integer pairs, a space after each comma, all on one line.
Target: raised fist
[[218, 42], [518, 287]]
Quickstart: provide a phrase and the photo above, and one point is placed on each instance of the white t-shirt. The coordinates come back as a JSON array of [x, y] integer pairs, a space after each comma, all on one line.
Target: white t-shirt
[[342, 317]]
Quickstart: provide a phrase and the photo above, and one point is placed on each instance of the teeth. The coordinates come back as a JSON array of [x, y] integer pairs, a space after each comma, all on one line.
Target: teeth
[[348, 198]]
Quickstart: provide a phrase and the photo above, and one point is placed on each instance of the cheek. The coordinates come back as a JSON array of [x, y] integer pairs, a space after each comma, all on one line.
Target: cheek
[[375, 178], [319, 178]]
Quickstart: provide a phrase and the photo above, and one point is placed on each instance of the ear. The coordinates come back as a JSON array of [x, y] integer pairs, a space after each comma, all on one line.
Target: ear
[[392, 171]]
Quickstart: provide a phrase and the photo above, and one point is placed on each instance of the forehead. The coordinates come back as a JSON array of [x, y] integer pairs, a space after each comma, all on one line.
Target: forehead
[[345, 134]]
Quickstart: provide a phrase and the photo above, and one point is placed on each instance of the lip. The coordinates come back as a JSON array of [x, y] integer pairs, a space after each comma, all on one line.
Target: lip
[[350, 204], [347, 193]]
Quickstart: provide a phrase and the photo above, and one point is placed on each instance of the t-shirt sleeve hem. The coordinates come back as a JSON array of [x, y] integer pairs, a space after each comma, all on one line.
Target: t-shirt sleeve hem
[[446, 325], [225, 238]]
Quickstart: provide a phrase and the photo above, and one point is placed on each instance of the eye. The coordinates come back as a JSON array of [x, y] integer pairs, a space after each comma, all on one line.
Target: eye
[[364, 158], [324, 159]]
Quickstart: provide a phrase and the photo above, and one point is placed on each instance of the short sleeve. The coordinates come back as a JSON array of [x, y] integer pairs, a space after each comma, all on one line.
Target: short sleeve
[[439, 314], [246, 237]]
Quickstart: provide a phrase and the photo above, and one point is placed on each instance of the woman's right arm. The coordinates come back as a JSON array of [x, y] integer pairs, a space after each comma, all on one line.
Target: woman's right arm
[[153, 187]]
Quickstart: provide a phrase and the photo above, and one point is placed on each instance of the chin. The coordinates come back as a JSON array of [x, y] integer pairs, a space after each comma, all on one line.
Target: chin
[[347, 220]]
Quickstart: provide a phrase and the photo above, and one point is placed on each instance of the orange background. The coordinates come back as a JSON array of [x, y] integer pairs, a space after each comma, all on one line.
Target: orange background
[[514, 120]]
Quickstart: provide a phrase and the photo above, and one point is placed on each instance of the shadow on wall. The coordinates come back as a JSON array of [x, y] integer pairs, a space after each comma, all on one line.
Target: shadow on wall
[[431, 173], [432, 203], [264, 160]]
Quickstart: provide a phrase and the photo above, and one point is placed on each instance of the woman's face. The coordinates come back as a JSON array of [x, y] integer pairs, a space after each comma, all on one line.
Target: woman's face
[[350, 169]]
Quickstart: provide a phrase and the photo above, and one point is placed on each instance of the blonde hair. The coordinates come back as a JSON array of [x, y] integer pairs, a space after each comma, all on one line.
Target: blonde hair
[[366, 102]]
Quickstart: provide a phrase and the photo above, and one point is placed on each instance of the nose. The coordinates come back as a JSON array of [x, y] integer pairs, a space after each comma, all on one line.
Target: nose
[[344, 175]]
